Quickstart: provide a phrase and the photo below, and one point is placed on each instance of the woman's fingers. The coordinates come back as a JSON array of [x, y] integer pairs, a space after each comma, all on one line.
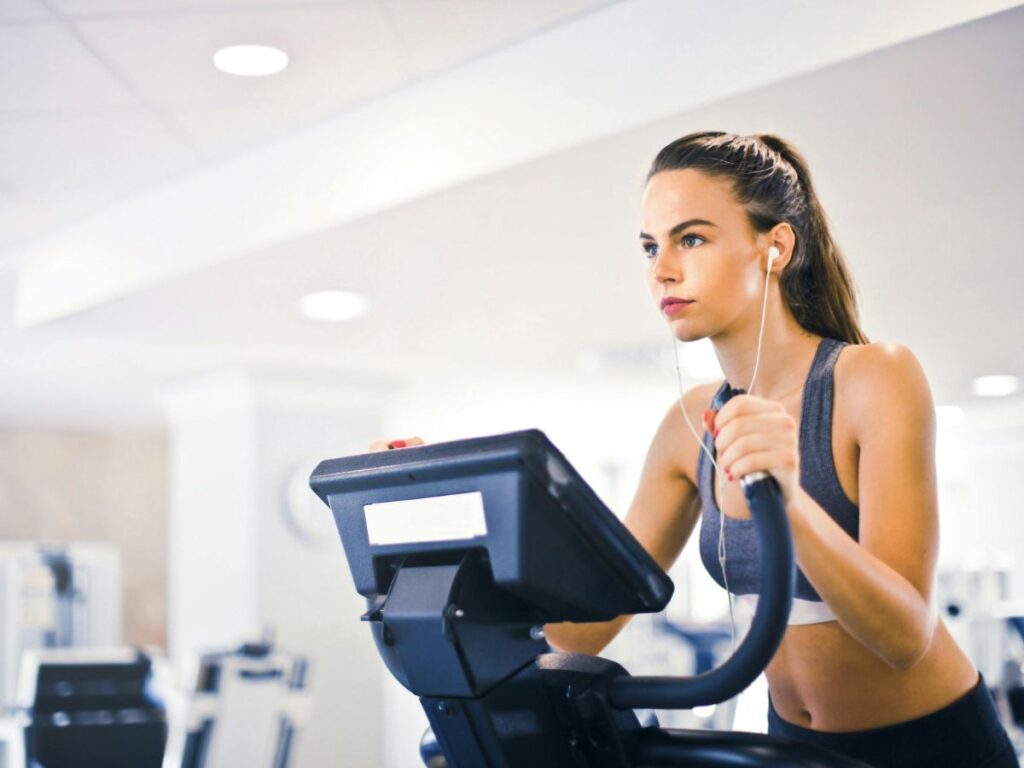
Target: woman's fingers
[[756, 442], [771, 423], [387, 445], [777, 462]]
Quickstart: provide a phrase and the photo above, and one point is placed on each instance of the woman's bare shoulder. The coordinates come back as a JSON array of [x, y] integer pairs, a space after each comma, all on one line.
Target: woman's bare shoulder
[[879, 363], [883, 377], [666, 505], [678, 437]]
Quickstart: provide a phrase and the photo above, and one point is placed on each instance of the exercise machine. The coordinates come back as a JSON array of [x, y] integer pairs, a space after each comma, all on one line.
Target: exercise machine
[[90, 708], [66, 596], [247, 708], [465, 550]]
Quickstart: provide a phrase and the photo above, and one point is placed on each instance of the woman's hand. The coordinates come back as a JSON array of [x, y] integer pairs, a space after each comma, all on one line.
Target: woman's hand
[[753, 435], [387, 445]]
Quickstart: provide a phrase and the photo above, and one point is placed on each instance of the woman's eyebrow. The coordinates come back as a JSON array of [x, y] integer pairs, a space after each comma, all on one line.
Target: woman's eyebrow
[[680, 227]]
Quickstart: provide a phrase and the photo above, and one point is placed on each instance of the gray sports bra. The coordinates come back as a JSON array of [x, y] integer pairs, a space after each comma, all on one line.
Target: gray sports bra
[[817, 477]]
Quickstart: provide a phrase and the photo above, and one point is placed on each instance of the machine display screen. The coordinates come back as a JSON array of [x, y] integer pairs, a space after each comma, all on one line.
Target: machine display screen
[[453, 517]]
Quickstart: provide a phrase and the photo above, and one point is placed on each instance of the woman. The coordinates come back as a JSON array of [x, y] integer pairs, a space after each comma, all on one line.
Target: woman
[[866, 666]]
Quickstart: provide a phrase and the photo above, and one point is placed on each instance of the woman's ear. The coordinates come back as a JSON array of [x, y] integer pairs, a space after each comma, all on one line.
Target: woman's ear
[[782, 239]]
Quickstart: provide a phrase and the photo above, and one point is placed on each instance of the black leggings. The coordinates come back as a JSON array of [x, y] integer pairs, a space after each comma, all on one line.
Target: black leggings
[[965, 734]]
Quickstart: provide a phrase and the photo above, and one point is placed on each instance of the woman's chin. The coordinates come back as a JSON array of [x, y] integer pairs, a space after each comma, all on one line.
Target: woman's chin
[[685, 332]]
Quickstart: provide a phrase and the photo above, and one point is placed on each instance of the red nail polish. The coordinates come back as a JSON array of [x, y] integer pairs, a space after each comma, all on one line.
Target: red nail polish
[[729, 475], [396, 444]]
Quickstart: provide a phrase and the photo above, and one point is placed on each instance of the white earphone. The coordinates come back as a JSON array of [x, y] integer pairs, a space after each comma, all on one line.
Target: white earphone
[[773, 254]]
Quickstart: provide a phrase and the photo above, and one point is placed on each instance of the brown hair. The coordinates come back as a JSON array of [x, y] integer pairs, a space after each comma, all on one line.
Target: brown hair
[[770, 179]]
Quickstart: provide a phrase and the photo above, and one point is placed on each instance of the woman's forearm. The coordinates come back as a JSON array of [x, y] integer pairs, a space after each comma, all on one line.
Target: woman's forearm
[[872, 601], [590, 637]]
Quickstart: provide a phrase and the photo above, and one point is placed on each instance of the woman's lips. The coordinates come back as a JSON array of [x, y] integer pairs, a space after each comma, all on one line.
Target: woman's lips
[[675, 306]]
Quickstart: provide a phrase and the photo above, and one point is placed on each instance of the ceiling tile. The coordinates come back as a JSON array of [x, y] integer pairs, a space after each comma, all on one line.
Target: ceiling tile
[[142, 7], [21, 221], [436, 34], [43, 67], [85, 158], [341, 54], [20, 10], [216, 132]]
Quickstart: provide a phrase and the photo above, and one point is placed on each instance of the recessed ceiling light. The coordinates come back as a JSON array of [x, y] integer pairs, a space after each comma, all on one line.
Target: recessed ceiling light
[[996, 386], [333, 306], [250, 60]]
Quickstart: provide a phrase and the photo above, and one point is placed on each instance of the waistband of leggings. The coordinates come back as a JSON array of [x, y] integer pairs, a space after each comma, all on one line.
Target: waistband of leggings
[[976, 697]]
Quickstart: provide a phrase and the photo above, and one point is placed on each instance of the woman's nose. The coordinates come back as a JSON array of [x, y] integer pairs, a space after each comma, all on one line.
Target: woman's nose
[[666, 268]]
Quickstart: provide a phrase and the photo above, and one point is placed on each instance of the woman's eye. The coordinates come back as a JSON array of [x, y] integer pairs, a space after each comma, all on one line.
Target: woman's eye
[[685, 238], [651, 249]]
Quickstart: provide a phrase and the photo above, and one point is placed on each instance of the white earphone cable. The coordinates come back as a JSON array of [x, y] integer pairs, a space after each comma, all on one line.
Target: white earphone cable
[[722, 559]]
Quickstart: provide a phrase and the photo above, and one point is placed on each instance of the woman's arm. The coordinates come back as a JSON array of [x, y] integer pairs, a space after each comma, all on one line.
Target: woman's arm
[[662, 516], [880, 588]]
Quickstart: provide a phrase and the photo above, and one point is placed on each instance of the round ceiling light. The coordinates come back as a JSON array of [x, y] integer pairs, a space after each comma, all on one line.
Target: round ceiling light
[[996, 386], [250, 60], [333, 306]]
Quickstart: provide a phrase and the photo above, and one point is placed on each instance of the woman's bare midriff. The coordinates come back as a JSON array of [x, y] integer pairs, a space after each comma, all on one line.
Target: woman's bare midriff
[[824, 679]]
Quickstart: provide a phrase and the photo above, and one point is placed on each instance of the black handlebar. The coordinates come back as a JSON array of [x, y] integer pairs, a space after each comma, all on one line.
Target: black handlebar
[[778, 579]]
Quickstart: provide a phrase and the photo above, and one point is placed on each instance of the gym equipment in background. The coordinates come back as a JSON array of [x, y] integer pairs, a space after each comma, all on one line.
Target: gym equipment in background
[[989, 627], [464, 550], [969, 597], [248, 706], [709, 646], [55, 597], [90, 708], [12, 743], [1010, 694]]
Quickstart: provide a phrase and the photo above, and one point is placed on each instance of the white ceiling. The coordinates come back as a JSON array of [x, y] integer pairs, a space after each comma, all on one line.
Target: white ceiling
[[914, 149], [100, 99]]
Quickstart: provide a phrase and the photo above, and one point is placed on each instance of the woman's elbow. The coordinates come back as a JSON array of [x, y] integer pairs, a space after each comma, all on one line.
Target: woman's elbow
[[912, 653]]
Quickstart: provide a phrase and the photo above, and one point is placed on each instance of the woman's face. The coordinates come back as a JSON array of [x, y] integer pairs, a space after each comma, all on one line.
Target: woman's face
[[700, 246]]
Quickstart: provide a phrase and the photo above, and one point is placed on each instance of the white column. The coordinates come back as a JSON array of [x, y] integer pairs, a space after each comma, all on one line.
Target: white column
[[246, 556], [212, 520]]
